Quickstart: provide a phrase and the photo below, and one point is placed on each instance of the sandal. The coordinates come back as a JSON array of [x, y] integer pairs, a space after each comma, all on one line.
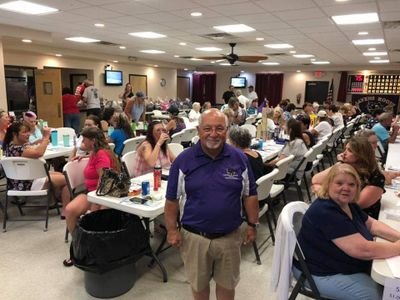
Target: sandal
[[68, 262]]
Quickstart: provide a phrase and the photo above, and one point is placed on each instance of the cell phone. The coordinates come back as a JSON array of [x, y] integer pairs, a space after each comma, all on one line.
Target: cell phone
[[138, 200]]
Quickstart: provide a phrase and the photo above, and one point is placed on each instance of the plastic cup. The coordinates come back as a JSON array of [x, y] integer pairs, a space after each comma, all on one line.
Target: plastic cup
[[66, 140], [54, 137], [45, 124]]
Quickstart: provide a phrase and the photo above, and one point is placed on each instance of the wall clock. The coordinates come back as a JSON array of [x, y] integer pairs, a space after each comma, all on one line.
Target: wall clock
[[163, 82]]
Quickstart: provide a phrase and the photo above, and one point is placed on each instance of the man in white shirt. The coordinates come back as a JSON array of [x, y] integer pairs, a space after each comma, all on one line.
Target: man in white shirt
[[252, 95], [324, 127], [244, 101], [91, 96]]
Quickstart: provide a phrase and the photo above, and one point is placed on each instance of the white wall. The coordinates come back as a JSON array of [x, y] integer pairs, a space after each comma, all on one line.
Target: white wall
[[153, 74]]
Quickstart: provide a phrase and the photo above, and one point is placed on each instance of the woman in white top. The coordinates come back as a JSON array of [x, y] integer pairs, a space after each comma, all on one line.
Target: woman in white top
[[295, 146], [335, 115], [194, 114], [324, 127]]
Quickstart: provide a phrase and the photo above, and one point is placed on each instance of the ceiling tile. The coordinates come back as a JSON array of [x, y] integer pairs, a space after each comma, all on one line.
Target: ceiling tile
[[279, 5]]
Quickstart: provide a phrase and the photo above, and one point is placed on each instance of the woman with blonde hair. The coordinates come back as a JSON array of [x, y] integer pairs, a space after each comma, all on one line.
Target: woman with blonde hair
[[337, 239], [360, 154], [194, 113], [278, 118]]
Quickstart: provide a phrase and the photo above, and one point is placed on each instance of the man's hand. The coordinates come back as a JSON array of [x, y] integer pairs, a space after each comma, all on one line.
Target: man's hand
[[250, 235], [174, 238]]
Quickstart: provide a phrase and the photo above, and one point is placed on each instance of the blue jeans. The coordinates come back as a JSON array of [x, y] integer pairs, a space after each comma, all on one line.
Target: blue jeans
[[73, 121], [340, 286]]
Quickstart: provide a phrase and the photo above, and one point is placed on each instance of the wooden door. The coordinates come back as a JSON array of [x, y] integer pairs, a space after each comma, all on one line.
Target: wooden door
[[139, 83], [183, 87], [48, 96]]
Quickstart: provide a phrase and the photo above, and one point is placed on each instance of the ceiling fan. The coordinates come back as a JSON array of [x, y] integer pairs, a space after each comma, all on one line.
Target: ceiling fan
[[232, 58]]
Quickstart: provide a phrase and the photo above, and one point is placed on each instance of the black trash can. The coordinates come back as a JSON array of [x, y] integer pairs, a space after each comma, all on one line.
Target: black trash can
[[106, 244]]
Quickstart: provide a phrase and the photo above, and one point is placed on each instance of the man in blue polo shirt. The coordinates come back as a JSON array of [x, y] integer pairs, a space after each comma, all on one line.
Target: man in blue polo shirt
[[206, 185], [382, 129]]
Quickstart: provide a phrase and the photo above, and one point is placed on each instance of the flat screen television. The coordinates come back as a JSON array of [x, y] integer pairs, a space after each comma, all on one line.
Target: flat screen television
[[112, 77], [239, 82]]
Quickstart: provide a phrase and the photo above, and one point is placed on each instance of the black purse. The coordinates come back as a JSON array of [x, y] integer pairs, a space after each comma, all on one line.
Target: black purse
[[113, 183]]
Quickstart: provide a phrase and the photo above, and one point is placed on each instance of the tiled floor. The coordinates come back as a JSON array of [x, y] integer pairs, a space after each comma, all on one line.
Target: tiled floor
[[31, 268]]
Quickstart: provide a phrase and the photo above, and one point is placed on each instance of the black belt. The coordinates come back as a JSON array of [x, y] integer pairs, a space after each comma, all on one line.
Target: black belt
[[209, 236]]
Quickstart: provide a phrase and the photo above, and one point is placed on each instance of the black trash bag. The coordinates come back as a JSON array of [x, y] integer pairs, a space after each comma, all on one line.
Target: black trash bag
[[107, 239]]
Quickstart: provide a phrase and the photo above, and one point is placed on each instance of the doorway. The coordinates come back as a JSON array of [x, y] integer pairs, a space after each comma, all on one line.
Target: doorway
[[183, 87], [139, 83], [316, 91]]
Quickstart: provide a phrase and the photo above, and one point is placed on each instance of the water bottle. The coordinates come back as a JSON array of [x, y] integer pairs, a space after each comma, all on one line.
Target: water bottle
[[157, 177], [276, 133], [261, 144]]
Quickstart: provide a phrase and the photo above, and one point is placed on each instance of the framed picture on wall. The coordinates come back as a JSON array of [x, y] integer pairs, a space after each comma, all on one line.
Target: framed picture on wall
[[75, 80]]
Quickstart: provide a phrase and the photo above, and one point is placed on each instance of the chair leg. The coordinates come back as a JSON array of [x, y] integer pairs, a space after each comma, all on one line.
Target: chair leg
[[301, 198], [66, 235], [284, 198], [19, 207], [258, 259], [46, 224], [307, 189], [5, 214], [271, 230]]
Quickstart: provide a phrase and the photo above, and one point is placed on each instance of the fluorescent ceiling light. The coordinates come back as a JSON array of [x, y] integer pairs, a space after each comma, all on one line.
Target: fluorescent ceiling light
[[176, 56], [26, 41], [81, 39], [241, 71], [224, 64], [209, 49], [375, 53], [182, 44], [185, 69], [99, 25], [303, 55], [292, 51], [320, 62], [369, 42], [383, 61], [115, 61], [151, 51], [148, 35], [377, 58], [196, 59], [371, 49], [356, 19], [278, 46], [122, 47], [259, 39], [312, 59], [196, 14], [298, 71], [28, 8], [155, 66], [363, 33], [58, 55], [234, 28], [271, 63]]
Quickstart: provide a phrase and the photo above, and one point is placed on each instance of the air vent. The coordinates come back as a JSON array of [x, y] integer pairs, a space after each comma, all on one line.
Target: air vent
[[391, 24], [104, 43], [217, 36], [307, 64], [186, 57], [277, 54], [394, 50]]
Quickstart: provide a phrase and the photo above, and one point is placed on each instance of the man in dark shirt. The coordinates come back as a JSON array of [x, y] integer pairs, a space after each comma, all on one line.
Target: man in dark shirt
[[228, 94]]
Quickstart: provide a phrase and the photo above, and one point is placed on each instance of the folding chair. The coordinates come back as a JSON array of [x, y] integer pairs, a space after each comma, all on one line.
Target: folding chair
[[128, 162], [264, 185], [75, 178], [132, 144], [175, 148], [283, 166], [289, 225], [251, 128], [21, 168]]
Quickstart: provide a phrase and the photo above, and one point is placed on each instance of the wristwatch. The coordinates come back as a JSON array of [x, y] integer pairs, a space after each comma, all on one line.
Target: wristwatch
[[254, 225]]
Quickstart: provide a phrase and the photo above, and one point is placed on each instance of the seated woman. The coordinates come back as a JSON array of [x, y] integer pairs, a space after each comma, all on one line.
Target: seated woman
[[4, 123], [176, 124], [101, 157], [16, 143], [91, 121], [194, 114], [241, 138], [30, 121], [206, 105], [295, 146], [106, 117], [323, 126], [336, 239], [153, 150], [277, 117], [308, 138], [122, 132], [359, 154]]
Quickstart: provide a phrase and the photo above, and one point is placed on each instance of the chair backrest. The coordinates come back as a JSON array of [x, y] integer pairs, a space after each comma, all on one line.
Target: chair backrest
[[65, 131], [251, 128], [348, 130], [250, 120], [157, 112], [22, 168], [264, 184], [292, 216], [301, 165], [189, 133], [175, 148], [186, 121], [178, 137], [283, 166], [112, 146], [195, 139], [128, 161], [74, 174], [132, 144]]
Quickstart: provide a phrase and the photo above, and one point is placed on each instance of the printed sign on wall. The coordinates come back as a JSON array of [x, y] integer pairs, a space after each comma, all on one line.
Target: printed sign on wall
[[369, 103]]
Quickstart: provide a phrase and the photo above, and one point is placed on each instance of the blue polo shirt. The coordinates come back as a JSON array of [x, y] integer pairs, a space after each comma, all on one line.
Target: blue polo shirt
[[210, 190], [323, 222], [382, 134]]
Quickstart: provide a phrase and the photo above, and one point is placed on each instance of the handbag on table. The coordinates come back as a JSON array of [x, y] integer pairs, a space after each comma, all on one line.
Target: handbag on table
[[113, 183]]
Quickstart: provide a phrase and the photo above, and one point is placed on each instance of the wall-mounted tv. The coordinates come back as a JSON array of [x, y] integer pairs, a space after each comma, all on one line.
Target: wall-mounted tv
[[112, 77], [239, 82]]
